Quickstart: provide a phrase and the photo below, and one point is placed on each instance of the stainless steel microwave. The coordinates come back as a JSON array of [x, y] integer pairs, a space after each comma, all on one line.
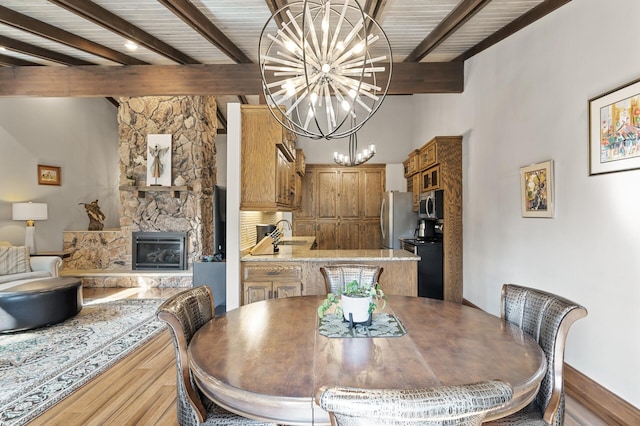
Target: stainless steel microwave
[[431, 205]]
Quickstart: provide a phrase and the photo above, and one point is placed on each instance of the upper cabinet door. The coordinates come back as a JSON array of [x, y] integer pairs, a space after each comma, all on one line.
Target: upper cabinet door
[[327, 194], [373, 187], [349, 194]]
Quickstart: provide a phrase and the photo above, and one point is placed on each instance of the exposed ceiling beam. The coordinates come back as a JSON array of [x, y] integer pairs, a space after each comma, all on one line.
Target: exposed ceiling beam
[[374, 9], [39, 52], [234, 79], [42, 29], [112, 22], [454, 20], [192, 16], [222, 121], [274, 5], [516, 25], [11, 61]]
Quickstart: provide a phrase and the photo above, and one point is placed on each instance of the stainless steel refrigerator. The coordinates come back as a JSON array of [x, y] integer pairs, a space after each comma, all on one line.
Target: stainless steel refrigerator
[[397, 218]]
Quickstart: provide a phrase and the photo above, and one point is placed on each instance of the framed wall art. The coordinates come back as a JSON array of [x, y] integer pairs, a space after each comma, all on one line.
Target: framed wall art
[[614, 130], [159, 160], [536, 186], [48, 175]]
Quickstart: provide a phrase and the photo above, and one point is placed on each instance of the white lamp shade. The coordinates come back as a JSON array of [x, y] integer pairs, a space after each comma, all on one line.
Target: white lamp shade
[[29, 211]]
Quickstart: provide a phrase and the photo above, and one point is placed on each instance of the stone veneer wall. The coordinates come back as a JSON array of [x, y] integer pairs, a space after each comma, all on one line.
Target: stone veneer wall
[[192, 122]]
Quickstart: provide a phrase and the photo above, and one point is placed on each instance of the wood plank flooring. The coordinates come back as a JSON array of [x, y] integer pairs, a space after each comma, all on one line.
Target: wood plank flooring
[[141, 389]]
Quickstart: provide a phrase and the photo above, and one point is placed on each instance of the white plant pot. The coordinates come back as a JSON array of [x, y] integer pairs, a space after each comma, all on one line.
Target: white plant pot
[[357, 306]]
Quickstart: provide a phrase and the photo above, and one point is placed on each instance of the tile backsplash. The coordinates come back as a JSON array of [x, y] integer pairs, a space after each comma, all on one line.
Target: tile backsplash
[[248, 222]]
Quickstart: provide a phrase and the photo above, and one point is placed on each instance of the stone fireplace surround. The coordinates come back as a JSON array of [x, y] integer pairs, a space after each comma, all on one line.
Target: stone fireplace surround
[[103, 258]]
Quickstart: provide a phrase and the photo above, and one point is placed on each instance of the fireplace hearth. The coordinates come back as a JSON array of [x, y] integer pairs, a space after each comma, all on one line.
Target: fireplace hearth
[[159, 251]]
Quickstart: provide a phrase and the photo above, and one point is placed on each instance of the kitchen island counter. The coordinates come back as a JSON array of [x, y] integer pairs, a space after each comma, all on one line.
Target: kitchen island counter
[[299, 249], [301, 264]]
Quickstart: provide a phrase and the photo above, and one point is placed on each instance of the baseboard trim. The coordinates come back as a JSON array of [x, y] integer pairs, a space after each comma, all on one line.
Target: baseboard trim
[[602, 402]]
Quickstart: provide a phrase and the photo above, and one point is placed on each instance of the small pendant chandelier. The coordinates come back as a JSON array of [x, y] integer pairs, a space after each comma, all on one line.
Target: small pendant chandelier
[[325, 67], [354, 158]]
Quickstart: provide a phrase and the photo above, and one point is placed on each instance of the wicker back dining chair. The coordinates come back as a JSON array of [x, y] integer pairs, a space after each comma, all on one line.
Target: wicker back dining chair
[[185, 313], [336, 276], [443, 405], [547, 318]]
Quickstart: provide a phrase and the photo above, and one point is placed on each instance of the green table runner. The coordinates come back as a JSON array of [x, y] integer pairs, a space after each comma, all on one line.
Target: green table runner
[[382, 325]]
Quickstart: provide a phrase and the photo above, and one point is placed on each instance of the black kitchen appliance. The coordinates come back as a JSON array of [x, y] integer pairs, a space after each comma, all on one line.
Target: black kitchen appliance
[[426, 229], [430, 265]]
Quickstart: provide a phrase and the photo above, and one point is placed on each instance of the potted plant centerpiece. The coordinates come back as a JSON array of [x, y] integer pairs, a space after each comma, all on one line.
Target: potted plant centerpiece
[[357, 302]]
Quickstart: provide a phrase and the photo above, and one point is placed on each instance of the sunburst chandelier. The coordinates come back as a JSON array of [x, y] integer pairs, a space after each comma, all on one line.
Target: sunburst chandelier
[[326, 65]]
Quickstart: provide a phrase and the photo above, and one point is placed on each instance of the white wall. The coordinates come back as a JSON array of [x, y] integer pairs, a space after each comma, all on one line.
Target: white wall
[[78, 134], [390, 129], [525, 101]]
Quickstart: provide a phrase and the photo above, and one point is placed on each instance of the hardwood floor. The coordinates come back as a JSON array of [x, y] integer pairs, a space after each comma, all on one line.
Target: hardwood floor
[[141, 389]]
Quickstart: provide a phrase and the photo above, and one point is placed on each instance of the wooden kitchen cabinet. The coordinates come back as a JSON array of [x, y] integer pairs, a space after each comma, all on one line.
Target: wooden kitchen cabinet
[[411, 166], [427, 156], [339, 200], [441, 168], [268, 157], [267, 280]]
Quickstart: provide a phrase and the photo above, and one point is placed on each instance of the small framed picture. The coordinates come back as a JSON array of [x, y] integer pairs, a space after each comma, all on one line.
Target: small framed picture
[[48, 175], [614, 130], [536, 185]]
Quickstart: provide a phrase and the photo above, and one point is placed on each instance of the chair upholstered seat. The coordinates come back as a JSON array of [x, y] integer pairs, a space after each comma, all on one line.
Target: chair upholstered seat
[[443, 405], [337, 276], [547, 318], [185, 313]]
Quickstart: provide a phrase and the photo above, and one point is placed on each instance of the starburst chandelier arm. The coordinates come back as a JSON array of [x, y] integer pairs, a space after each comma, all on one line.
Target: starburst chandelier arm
[[291, 64], [336, 33], [312, 30], [331, 115], [326, 24]]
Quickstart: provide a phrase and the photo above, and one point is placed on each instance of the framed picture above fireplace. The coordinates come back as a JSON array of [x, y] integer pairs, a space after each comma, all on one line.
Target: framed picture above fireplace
[[159, 160]]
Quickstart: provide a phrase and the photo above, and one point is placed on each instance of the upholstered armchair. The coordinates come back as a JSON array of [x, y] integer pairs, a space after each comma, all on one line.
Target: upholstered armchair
[[444, 405], [547, 318], [336, 276], [185, 313]]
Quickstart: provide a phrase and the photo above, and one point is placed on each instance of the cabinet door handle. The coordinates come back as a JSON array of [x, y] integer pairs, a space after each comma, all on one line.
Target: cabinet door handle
[[272, 272]]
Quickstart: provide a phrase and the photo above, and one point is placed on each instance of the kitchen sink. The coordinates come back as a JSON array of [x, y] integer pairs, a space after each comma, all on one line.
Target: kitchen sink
[[291, 243]]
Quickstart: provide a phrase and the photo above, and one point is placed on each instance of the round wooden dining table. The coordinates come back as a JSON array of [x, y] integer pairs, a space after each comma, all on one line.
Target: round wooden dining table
[[267, 360]]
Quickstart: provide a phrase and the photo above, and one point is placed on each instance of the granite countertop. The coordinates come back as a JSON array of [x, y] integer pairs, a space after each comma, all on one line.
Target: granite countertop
[[299, 249]]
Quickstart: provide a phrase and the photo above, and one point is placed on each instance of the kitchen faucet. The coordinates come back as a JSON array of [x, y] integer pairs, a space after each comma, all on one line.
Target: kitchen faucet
[[286, 222]]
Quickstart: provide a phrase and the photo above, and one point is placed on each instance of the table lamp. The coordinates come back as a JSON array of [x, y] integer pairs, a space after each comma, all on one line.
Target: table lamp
[[30, 212]]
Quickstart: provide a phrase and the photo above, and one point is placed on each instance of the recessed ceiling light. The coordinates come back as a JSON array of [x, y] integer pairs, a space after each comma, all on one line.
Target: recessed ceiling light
[[131, 45]]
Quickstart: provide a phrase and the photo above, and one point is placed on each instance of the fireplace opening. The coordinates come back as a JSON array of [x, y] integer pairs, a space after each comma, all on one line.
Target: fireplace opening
[[159, 250]]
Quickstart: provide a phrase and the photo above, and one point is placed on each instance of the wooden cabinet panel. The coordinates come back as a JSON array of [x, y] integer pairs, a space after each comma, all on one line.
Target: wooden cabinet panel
[[370, 236], [429, 179], [343, 196], [327, 192], [374, 184], [349, 194], [307, 209], [286, 289], [304, 228], [411, 166], [270, 280], [326, 234], [267, 155], [256, 291], [416, 190], [348, 235], [428, 155]]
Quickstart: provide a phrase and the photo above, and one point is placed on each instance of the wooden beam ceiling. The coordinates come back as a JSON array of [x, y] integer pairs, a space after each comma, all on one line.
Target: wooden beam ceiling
[[42, 29], [234, 79], [458, 16], [192, 16], [11, 61], [39, 52], [528, 18], [100, 16]]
